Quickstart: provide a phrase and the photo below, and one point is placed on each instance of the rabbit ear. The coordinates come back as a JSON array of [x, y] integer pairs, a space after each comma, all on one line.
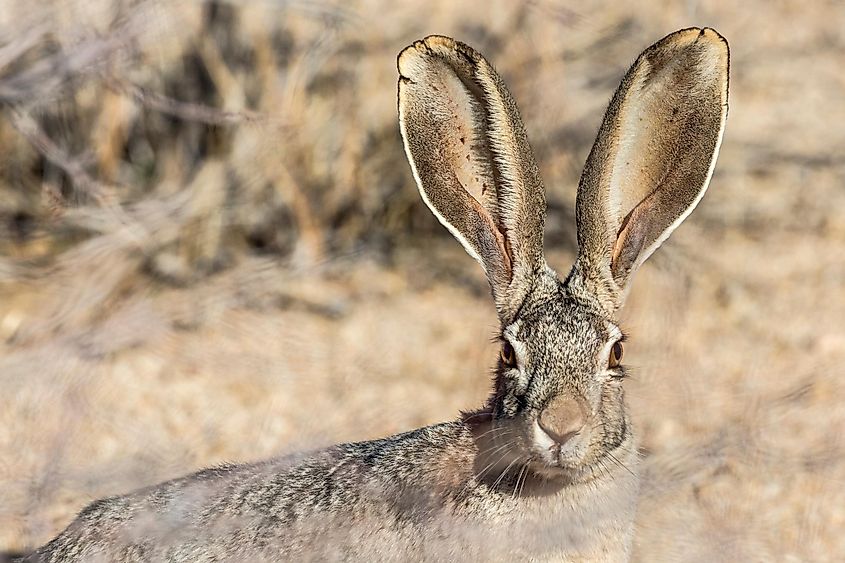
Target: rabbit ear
[[470, 157], [653, 157]]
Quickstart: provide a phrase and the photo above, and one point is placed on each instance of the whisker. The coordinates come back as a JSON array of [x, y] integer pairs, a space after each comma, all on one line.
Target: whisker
[[475, 415], [478, 476], [498, 428], [522, 472], [505, 472], [625, 467], [494, 449], [605, 469]]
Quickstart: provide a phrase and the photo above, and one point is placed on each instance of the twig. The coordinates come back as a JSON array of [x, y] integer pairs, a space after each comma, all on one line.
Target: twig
[[26, 126], [183, 110], [43, 78]]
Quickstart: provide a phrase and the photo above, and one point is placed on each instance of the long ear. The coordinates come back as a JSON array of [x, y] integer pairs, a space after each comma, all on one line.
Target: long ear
[[653, 157], [470, 157]]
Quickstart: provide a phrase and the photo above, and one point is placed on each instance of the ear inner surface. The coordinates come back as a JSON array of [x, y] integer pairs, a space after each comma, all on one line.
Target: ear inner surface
[[442, 125], [654, 154], [629, 242], [471, 160], [522, 199]]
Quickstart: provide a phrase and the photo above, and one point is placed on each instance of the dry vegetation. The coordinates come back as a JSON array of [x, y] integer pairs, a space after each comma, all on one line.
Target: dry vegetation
[[211, 249]]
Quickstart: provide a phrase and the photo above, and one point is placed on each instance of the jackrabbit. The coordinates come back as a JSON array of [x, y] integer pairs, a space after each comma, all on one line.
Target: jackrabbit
[[547, 469]]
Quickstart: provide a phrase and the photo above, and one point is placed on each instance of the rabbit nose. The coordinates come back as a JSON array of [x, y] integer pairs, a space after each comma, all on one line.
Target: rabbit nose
[[563, 418]]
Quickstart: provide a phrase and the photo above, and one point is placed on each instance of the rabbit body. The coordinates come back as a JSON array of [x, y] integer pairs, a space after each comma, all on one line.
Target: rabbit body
[[414, 495]]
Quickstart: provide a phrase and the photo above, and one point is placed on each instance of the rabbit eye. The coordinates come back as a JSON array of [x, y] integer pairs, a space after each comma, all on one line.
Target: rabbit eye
[[508, 355], [616, 352]]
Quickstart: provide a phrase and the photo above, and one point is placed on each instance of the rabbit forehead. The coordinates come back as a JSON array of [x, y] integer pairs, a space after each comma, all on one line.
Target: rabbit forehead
[[561, 336]]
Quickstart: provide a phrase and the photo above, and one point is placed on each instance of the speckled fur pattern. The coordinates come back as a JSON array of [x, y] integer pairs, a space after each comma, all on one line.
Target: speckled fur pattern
[[382, 500], [492, 484]]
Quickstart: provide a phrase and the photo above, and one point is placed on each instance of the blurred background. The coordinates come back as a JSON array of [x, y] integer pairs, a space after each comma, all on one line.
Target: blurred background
[[212, 249]]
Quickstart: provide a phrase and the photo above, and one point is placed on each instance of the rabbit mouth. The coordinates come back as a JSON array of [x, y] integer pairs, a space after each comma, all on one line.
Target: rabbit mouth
[[578, 459], [520, 454], [607, 465]]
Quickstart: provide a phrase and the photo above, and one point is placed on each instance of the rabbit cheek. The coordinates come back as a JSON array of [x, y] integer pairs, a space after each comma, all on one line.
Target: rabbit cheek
[[614, 423], [512, 386]]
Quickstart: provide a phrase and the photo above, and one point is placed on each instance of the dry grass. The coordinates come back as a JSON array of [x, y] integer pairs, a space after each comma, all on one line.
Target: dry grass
[[212, 250]]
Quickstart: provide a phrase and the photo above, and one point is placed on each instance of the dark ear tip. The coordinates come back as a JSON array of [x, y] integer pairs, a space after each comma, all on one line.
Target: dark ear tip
[[434, 41], [711, 34], [715, 40], [426, 47], [704, 47], [407, 56], [704, 36], [438, 46]]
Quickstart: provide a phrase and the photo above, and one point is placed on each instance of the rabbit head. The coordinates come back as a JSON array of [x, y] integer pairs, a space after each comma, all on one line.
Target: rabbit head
[[558, 405]]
